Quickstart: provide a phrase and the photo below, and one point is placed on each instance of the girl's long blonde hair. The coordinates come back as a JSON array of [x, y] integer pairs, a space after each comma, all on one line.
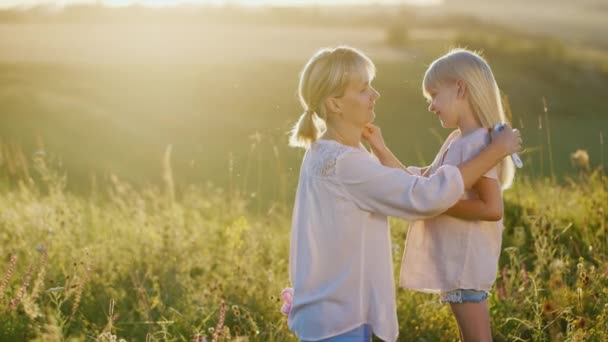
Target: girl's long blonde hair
[[482, 90], [326, 74]]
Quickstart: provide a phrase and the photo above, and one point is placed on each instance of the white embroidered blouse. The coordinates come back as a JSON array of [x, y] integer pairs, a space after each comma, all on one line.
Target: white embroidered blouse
[[340, 250]]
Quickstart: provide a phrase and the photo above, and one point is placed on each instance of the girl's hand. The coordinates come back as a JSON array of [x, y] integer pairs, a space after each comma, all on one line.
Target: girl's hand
[[373, 135], [509, 140]]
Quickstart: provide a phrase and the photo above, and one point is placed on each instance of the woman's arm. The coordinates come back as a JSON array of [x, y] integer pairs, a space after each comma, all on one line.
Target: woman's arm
[[488, 207], [387, 158], [373, 135], [376, 188], [503, 144]]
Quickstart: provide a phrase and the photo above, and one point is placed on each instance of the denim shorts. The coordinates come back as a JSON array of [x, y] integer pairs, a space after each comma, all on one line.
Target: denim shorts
[[362, 333], [463, 296]]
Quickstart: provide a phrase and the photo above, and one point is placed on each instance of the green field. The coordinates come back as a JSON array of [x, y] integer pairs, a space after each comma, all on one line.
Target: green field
[[120, 119], [147, 264], [145, 176]]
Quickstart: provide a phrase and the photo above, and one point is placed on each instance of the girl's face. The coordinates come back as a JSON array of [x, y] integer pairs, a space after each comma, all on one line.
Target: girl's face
[[357, 103], [446, 102]]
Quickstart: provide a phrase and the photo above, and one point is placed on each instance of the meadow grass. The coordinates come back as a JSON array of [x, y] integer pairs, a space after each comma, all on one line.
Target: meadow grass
[[157, 263]]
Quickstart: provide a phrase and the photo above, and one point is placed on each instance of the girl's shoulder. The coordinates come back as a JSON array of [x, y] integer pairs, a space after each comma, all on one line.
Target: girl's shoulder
[[452, 137], [472, 143], [478, 136]]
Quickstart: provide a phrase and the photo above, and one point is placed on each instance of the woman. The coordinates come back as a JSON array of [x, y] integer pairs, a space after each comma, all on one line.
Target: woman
[[340, 253]]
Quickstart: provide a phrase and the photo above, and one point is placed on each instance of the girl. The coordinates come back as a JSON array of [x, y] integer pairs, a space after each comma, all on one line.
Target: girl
[[456, 254], [340, 251]]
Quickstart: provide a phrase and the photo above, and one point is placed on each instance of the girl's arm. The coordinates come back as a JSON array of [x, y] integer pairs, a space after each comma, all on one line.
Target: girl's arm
[[488, 207], [373, 135]]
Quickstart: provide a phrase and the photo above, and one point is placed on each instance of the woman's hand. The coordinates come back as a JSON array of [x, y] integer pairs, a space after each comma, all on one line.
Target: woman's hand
[[373, 135], [509, 140]]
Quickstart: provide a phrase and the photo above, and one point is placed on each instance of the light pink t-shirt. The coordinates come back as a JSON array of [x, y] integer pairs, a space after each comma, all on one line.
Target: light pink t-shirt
[[444, 253]]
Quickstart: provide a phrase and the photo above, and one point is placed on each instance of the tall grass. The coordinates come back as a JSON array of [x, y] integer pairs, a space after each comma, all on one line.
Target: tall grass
[[160, 263]]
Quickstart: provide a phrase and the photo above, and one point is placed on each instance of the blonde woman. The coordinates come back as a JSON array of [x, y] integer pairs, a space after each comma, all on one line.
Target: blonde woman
[[340, 249], [456, 254]]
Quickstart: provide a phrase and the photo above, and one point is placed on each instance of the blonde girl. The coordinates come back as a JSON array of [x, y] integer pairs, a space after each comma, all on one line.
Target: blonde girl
[[456, 254]]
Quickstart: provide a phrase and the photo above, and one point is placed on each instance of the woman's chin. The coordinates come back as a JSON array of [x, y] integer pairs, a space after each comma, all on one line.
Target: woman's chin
[[371, 119]]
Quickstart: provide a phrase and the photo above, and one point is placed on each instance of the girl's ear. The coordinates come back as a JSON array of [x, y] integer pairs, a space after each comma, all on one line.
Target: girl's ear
[[461, 89]]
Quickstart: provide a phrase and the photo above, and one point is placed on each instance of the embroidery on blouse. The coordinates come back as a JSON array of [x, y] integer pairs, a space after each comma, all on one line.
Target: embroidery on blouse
[[323, 163]]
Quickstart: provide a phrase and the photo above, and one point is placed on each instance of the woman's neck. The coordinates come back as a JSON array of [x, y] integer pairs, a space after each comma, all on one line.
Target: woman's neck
[[349, 137]]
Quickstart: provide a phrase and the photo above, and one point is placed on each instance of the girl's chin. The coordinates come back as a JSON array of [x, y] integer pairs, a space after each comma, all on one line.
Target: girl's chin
[[444, 125]]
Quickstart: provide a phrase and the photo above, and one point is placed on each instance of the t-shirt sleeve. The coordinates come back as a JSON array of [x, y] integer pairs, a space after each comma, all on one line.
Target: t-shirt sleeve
[[418, 170], [476, 145], [394, 192]]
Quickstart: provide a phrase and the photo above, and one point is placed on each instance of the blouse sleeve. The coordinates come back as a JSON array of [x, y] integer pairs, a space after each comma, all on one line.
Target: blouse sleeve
[[415, 170], [394, 192]]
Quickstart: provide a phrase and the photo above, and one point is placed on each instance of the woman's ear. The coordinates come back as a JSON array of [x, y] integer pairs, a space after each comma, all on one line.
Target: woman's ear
[[333, 105], [461, 89]]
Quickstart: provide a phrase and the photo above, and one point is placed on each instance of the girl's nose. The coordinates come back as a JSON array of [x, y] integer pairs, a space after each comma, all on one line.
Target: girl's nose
[[431, 107]]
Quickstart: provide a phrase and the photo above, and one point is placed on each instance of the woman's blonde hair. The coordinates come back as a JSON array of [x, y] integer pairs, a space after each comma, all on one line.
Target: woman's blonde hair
[[326, 74], [482, 90]]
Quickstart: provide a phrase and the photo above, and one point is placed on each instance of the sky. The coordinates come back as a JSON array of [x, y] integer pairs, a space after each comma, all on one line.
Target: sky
[[161, 3]]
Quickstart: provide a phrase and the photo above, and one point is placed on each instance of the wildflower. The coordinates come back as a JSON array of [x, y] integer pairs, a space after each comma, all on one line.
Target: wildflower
[[502, 294], [287, 295], [581, 323], [524, 273], [557, 265], [199, 338], [584, 278], [555, 281], [22, 290], [218, 331], [39, 282], [9, 274], [55, 289], [549, 308], [580, 159]]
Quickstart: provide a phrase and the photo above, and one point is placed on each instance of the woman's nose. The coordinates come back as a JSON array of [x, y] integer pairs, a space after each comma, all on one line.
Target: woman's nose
[[431, 107]]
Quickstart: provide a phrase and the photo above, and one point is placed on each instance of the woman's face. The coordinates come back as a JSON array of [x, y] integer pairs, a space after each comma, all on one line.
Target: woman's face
[[357, 103]]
